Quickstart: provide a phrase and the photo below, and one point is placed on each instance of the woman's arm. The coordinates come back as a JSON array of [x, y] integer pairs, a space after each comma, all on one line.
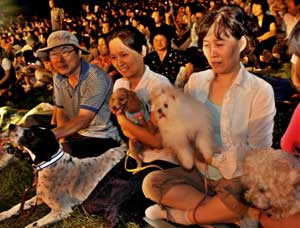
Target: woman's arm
[[261, 122], [5, 78], [189, 69], [269, 34], [295, 72], [6, 65]]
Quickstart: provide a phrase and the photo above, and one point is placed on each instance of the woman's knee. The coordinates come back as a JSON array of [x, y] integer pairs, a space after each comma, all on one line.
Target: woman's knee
[[149, 186]]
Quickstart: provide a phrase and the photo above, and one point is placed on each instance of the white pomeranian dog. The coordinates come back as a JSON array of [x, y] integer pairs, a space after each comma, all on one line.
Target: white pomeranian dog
[[185, 125]]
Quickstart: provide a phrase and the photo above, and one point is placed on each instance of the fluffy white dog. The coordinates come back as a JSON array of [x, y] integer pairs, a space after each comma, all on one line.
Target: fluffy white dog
[[185, 125], [272, 179]]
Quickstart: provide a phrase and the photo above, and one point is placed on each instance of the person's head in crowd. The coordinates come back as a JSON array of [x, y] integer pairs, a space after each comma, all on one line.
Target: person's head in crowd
[[225, 37], [158, 16], [44, 57], [18, 61], [93, 39], [259, 7], [160, 39], [36, 32], [64, 52], [102, 45], [51, 4], [29, 57], [8, 48], [294, 40], [3, 41], [293, 7], [126, 47], [135, 22], [55, 3], [129, 13], [31, 40], [197, 13], [106, 27], [146, 24], [181, 9]]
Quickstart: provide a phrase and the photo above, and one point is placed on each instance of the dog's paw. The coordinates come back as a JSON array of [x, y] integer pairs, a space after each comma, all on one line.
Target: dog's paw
[[185, 158]]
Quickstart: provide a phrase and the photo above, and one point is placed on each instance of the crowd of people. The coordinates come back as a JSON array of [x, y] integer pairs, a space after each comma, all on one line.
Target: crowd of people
[[170, 29], [205, 47]]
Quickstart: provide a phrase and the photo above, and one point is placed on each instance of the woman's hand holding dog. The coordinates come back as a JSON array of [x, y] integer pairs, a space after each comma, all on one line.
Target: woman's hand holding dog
[[139, 133], [123, 121]]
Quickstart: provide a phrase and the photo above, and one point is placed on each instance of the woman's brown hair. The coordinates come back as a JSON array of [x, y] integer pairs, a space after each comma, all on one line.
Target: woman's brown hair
[[228, 20]]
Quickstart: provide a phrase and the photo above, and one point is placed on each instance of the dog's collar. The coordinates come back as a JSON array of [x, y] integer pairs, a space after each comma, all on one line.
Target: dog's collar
[[58, 155]]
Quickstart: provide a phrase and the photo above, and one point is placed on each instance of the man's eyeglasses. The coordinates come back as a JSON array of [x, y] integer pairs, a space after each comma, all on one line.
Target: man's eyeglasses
[[65, 52]]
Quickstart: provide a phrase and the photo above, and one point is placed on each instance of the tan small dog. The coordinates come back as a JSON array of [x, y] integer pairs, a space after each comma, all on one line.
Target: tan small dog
[[129, 103], [272, 180]]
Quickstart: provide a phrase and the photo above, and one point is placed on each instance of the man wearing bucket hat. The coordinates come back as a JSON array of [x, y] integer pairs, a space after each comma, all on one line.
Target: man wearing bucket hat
[[81, 92]]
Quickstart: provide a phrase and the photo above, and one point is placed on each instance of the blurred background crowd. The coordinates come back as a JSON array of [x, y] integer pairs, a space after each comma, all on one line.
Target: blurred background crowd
[[170, 28]]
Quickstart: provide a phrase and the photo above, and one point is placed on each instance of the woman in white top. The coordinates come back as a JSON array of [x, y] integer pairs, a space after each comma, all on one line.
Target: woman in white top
[[127, 47], [242, 107]]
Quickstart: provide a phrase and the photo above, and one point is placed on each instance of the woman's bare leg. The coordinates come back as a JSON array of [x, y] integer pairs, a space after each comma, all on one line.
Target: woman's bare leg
[[183, 197], [182, 202]]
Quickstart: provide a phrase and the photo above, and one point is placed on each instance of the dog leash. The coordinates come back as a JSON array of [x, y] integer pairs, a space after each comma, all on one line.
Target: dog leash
[[25, 197], [205, 181], [59, 154], [205, 194], [136, 170]]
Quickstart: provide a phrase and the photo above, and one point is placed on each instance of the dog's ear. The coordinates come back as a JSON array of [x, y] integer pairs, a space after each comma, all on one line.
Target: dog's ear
[[110, 103], [118, 100], [134, 104]]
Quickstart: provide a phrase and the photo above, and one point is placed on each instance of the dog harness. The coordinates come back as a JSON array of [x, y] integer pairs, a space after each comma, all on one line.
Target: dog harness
[[138, 117]]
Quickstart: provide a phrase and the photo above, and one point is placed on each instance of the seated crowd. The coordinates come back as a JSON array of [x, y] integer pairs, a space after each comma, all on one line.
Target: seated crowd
[[170, 29]]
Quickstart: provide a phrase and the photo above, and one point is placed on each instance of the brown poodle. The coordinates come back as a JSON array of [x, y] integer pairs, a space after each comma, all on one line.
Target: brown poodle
[[272, 180]]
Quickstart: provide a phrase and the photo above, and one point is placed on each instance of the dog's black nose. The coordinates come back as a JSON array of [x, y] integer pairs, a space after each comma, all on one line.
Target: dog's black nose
[[12, 127]]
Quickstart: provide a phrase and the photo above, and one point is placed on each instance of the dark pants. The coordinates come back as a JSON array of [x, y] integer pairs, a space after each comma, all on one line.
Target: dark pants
[[81, 146]]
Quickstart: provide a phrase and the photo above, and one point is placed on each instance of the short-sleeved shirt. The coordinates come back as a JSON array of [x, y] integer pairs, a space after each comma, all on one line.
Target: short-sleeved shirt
[[91, 93]]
